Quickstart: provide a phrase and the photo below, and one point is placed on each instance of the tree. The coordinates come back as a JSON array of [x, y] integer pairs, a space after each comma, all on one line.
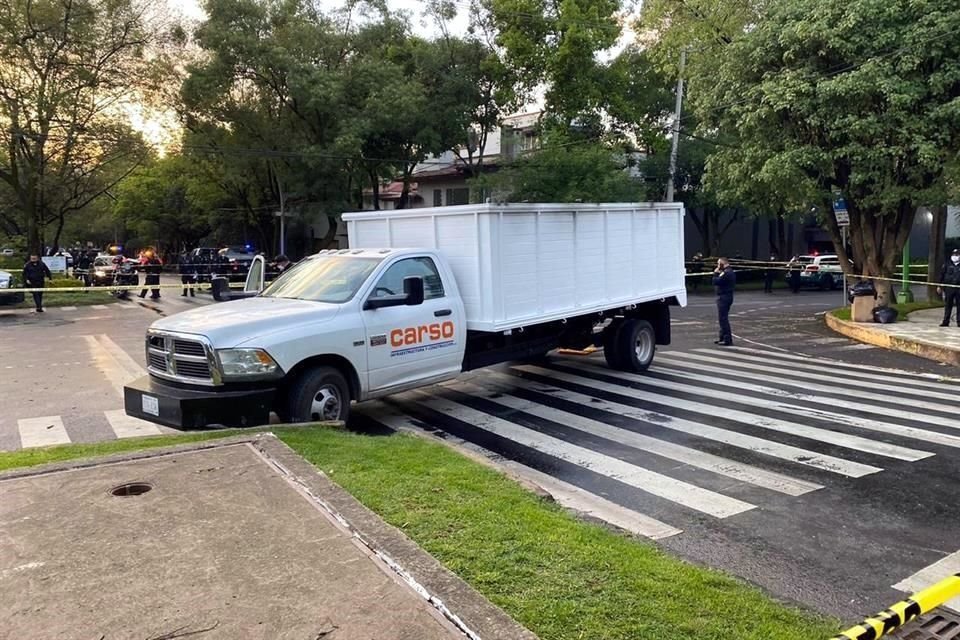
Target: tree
[[859, 96], [68, 68]]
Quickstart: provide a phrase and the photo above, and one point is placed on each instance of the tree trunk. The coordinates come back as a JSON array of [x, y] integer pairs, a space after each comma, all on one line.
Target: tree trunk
[[375, 186], [937, 254], [327, 240]]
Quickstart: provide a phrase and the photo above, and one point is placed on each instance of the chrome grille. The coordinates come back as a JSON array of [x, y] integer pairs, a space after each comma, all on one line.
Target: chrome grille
[[193, 369], [188, 348], [176, 358], [157, 361]]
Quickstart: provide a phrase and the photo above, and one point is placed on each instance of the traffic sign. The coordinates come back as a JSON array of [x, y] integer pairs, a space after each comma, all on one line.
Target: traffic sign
[[840, 211]]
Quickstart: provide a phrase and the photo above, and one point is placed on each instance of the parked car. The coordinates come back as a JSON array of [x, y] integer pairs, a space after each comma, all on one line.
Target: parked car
[[101, 271], [820, 272], [7, 282], [7, 252]]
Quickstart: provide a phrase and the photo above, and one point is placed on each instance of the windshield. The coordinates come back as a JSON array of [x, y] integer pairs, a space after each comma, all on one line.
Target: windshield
[[333, 279], [103, 262]]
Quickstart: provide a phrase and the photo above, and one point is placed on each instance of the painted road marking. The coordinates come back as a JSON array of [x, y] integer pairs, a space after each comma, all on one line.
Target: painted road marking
[[948, 566], [683, 493], [855, 347], [829, 373], [68, 308], [847, 441], [129, 427], [732, 438], [699, 459], [566, 494], [119, 367], [42, 432], [728, 368], [862, 423], [99, 307], [919, 378], [828, 340]]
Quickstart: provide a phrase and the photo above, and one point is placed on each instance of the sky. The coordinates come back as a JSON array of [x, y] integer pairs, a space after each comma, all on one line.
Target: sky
[[191, 9]]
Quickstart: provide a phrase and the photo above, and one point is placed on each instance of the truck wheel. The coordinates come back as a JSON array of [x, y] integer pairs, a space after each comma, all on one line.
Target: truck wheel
[[610, 350], [636, 345], [319, 394]]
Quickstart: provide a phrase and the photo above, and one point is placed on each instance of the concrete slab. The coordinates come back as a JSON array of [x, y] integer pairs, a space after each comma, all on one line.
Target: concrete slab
[[230, 542]]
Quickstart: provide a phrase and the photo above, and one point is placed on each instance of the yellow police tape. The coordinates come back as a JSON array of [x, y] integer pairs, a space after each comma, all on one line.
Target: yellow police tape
[[111, 288], [904, 611], [855, 276]]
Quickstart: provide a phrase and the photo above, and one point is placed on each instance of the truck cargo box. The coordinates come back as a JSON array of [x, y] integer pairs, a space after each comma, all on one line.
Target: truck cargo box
[[523, 264]]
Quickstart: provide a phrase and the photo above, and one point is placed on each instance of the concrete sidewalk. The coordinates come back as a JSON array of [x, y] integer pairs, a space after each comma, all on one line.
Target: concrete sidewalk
[[919, 334], [233, 539]]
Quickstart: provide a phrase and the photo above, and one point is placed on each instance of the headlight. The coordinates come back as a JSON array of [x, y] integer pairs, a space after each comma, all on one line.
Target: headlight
[[5, 283], [247, 363], [100, 273]]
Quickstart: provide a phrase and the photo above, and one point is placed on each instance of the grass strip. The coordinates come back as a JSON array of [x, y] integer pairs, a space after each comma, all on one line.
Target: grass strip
[[903, 310], [562, 578]]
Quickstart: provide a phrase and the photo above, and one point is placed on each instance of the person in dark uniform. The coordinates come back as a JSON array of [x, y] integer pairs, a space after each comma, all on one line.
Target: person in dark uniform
[[152, 268], [724, 279], [35, 272], [950, 274], [794, 267], [770, 275], [188, 274]]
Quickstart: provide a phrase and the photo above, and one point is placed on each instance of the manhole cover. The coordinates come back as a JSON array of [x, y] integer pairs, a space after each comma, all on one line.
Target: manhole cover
[[131, 489], [936, 625]]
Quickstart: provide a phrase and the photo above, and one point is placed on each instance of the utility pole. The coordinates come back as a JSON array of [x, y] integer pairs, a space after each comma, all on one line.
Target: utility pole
[[676, 126], [283, 236]]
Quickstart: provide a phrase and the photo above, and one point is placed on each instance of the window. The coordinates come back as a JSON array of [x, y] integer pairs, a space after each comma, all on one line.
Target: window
[[331, 279], [458, 196], [391, 282], [437, 197]]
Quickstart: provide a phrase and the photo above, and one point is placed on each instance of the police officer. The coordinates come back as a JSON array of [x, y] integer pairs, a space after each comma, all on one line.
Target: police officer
[[34, 273], [724, 279], [188, 275], [770, 274], [950, 274]]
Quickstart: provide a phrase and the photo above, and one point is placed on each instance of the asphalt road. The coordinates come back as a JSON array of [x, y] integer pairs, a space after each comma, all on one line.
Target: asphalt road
[[820, 469]]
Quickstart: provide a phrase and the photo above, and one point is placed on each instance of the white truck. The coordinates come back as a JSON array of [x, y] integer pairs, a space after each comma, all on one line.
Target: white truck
[[420, 296]]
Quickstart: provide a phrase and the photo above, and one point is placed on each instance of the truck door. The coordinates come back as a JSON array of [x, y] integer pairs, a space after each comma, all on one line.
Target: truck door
[[406, 344], [255, 276]]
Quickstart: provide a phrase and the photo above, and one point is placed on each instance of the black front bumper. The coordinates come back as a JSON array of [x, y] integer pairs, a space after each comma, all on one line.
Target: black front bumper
[[182, 408]]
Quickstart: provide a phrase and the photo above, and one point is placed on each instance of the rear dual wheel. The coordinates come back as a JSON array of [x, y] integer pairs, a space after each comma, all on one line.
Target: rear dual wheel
[[630, 346]]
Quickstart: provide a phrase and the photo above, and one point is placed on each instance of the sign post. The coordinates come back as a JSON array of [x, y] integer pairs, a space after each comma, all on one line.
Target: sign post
[[843, 221]]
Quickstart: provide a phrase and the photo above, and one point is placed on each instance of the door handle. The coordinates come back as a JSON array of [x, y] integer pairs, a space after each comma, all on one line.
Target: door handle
[[442, 312]]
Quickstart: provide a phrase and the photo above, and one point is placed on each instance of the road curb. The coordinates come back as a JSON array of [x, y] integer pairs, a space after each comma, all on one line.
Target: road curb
[[878, 337]]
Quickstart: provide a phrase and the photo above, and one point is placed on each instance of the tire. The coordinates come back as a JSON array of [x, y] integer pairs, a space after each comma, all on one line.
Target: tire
[[610, 352], [318, 394], [636, 345]]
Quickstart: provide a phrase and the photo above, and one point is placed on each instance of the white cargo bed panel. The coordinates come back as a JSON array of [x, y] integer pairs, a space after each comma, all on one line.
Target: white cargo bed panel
[[521, 264]]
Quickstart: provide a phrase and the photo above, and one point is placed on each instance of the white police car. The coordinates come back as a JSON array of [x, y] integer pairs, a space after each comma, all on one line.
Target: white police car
[[7, 282]]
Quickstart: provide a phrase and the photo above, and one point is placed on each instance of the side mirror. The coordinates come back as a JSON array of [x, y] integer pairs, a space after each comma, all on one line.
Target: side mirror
[[412, 295], [413, 290]]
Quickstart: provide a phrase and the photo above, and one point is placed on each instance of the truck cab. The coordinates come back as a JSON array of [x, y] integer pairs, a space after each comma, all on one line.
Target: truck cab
[[340, 325]]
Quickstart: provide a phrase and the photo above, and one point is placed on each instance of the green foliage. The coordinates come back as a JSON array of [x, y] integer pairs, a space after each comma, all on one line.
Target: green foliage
[[567, 170]]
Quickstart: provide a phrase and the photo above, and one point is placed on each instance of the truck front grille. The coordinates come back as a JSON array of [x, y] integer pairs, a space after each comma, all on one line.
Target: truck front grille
[[178, 359]]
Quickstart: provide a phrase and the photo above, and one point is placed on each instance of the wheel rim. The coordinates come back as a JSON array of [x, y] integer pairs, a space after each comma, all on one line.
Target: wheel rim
[[644, 346], [326, 404]]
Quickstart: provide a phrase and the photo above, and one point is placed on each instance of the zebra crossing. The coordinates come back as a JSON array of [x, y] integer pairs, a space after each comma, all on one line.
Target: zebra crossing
[[45, 431], [703, 434]]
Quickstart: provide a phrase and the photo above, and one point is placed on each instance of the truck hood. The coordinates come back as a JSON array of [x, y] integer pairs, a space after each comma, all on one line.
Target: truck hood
[[230, 324]]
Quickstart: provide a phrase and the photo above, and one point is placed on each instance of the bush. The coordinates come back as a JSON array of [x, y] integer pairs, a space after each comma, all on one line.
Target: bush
[[61, 281]]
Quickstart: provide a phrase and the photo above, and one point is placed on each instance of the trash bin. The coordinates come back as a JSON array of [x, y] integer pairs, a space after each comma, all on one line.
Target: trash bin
[[863, 295]]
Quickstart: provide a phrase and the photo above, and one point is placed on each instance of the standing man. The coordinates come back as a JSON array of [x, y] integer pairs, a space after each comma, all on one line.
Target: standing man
[[950, 274], [34, 273], [188, 275], [724, 279], [770, 274], [794, 273], [152, 267]]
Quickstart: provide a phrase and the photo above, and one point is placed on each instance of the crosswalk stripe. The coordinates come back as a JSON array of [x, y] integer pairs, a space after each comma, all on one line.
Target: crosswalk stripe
[[804, 374], [828, 340], [912, 378], [99, 307], [733, 438], [855, 347], [724, 370], [683, 493], [129, 427], [781, 404], [699, 459], [42, 432], [68, 308], [566, 494], [839, 439]]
